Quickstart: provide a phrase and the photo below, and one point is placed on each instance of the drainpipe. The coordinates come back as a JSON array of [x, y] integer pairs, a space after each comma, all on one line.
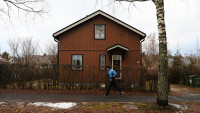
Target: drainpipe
[[141, 74], [141, 51], [56, 40]]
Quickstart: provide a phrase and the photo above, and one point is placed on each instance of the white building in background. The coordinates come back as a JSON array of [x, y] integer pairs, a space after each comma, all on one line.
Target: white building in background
[[11, 60]]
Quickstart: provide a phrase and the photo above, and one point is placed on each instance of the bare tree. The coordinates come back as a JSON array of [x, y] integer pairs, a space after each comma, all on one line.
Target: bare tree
[[14, 47], [29, 50], [52, 52], [23, 50], [150, 46], [162, 97], [32, 7]]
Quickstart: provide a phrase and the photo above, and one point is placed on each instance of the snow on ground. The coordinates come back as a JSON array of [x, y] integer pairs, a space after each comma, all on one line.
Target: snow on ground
[[62, 105], [179, 106], [2, 103], [130, 106], [174, 89], [194, 94]]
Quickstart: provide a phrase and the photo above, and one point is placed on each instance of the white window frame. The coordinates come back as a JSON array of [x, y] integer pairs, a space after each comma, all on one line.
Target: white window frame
[[77, 67], [95, 36], [102, 66]]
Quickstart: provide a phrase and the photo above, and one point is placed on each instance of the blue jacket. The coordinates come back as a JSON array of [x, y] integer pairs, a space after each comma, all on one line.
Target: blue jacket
[[112, 73]]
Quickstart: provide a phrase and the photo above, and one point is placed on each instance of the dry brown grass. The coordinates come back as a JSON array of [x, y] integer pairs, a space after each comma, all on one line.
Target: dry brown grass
[[100, 107]]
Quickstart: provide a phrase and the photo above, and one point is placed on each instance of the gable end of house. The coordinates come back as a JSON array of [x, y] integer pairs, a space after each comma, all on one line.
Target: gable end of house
[[99, 12]]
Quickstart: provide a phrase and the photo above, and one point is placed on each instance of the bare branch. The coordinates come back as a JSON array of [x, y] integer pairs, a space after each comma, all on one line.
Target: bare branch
[[14, 47], [23, 50], [24, 6], [32, 7], [132, 0], [52, 52]]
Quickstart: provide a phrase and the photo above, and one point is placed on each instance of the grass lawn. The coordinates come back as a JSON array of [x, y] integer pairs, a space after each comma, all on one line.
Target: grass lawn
[[107, 107]]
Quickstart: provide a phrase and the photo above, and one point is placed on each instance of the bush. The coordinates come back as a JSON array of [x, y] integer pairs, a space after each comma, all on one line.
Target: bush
[[5, 76]]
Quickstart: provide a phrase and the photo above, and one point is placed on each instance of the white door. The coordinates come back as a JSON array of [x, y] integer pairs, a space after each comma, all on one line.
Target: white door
[[116, 65]]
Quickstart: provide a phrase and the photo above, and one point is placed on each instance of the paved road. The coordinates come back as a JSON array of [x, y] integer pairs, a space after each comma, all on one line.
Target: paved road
[[24, 97]]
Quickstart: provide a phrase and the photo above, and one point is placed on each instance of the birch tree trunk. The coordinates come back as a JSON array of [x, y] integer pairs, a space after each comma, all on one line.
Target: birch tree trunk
[[162, 96]]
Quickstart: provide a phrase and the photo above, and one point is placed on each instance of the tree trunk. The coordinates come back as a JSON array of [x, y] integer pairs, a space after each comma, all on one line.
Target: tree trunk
[[162, 97]]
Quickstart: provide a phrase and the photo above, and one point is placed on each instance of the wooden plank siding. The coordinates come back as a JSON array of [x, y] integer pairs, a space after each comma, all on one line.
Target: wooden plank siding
[[91, 58], [82, 37], [80, 40]]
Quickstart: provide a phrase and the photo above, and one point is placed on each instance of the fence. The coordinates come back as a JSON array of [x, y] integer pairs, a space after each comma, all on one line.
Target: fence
[[93, 77], [150, 79], [28, 76], [64, 77]]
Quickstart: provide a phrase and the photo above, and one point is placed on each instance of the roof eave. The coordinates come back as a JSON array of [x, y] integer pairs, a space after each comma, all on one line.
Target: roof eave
[[117, 46], [56, 34]]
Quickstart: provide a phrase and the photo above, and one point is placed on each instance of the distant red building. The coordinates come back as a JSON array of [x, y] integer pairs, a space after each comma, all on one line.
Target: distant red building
[[3, 61]]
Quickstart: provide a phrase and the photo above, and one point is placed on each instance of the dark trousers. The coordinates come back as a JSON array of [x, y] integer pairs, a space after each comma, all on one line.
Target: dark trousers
[[112, 83]]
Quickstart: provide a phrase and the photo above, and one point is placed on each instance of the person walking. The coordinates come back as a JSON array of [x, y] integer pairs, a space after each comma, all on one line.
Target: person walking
[[112, 74]]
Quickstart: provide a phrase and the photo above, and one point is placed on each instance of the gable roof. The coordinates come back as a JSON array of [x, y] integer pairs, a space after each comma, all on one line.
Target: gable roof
[[117, 46], [99, 12]]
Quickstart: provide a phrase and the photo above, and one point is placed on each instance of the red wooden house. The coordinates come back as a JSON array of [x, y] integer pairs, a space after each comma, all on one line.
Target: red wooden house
[[95, 41]]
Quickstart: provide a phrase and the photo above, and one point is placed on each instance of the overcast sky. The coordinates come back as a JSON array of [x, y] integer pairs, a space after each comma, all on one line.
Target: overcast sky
[[182, 21]]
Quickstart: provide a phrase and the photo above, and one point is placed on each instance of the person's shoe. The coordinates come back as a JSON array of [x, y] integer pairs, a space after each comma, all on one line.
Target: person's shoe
[[106, 94], [122, 93]]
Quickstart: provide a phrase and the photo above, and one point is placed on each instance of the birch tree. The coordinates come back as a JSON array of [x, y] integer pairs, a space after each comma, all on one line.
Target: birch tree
[[162, 95]]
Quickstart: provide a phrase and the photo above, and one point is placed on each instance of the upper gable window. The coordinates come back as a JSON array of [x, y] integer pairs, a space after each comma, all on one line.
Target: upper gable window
[[99, 31]]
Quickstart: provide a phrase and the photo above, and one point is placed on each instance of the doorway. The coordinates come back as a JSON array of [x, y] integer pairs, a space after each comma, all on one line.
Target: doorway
[[116, 65]]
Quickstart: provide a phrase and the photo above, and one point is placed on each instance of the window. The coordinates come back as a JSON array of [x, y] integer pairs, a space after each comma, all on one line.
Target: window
[[99, 31], [77, 62], [102, 62]]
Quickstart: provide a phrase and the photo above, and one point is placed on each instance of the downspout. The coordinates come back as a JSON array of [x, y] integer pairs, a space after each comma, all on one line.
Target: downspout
[[141, 51], [141, 73], [56, 40]]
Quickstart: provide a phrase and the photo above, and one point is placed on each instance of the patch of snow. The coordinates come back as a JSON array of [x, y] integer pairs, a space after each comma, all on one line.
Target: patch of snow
[[62, 105], [86, 103], [130, 106], [2, 103], [35, 84], [179, 106], [176, 105], [173, 89], [194, 94], [20, 104], [134, 107], [185, 89]]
